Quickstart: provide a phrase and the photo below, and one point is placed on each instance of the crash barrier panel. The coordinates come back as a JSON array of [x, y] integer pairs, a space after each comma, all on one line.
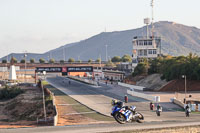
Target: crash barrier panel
[[198, 107], [193, 107], [132, 87], [145, 96]]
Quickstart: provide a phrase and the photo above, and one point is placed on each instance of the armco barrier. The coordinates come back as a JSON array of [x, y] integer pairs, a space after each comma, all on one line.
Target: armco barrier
[[145, 96], [132, 87]]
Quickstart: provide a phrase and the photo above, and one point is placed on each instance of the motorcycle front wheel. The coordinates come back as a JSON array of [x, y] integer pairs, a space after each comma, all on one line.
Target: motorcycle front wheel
[[120, 118], [140, 118]]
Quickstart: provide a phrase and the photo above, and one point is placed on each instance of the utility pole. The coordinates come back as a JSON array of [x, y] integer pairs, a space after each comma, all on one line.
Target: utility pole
[[106, 53], [64, 53], [152, 23]]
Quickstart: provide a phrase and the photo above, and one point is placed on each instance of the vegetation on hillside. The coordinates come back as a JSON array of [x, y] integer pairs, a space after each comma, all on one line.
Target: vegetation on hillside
[[171, 67]]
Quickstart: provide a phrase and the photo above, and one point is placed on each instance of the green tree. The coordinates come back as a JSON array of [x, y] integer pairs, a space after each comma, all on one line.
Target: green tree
[[98, 60], [79, 61], [90, 61], [62, 61], [140, 69], [32, 60], [13, 59], [41, 60], [4, 61], [22, 61], [71, 60], [126, 58], [110, 64], [116, 59], [52, 60]]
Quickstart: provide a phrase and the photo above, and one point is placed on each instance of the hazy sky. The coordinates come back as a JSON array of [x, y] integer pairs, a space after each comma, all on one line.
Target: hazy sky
[[42, 25]]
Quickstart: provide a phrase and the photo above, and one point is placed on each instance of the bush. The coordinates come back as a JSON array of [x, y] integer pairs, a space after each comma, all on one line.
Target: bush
[[9, 93]]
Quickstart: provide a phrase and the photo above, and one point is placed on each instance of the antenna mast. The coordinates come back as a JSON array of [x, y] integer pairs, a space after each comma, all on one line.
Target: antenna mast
[[152, 23]]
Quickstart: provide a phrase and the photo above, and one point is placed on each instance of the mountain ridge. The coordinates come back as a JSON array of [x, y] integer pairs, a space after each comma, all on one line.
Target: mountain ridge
[[177, 39]]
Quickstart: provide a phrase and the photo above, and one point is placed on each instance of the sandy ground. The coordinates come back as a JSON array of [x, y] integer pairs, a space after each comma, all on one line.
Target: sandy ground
[[25, 106]]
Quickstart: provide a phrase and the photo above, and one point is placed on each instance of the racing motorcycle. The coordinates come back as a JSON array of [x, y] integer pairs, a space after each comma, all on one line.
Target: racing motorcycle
[[123, 114]]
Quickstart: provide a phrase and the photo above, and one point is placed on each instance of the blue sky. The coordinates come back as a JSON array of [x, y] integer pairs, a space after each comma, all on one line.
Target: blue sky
[[42, 25]]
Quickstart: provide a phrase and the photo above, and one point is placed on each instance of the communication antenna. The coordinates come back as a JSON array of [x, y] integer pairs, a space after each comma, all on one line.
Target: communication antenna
[[147, 21], [152, 21], [152, 29]]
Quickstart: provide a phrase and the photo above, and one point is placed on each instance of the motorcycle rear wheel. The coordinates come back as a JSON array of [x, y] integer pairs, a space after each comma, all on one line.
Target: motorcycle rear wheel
[[158, 113], [140, 118], [120, 118]]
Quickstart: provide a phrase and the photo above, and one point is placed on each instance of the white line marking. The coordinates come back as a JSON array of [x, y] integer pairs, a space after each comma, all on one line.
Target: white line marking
[[81, 113]]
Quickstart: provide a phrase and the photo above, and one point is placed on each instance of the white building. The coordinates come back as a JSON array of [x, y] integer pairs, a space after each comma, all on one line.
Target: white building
[[146, 47]]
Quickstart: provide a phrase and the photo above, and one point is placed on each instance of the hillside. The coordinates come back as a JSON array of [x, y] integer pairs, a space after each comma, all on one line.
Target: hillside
[[177, 39]]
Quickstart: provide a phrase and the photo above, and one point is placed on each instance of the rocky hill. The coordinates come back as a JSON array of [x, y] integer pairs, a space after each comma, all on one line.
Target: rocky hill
[[177, 39]]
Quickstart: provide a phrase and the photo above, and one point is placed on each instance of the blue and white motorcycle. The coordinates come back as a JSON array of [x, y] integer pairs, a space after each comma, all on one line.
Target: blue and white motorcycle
[[123, 114]]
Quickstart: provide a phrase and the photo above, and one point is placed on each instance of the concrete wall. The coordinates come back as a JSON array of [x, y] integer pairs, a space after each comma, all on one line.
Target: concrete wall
[[132, 87], [84, 80], [55, 118], [178, 102], [145, 96]]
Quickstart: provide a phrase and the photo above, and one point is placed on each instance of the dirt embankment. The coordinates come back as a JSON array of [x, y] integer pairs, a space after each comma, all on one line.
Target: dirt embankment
[[179, 85], [23, 110], [152, 82]]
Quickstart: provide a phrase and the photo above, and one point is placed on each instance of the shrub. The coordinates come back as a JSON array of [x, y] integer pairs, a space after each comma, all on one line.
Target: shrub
[[9, 93]]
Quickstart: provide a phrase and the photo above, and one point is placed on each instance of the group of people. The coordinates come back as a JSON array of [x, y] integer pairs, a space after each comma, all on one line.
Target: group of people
[[159, 109]]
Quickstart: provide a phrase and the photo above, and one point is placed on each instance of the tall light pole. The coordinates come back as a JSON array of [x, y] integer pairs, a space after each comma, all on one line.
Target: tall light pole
[[184, 76], [64, 53], [106, 53]]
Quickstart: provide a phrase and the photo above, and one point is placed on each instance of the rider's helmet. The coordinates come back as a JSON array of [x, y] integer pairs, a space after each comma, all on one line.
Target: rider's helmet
[[120, 104], [113, 102]]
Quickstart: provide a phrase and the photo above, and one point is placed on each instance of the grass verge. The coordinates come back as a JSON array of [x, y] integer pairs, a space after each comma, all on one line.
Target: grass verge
[[78, 107]]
